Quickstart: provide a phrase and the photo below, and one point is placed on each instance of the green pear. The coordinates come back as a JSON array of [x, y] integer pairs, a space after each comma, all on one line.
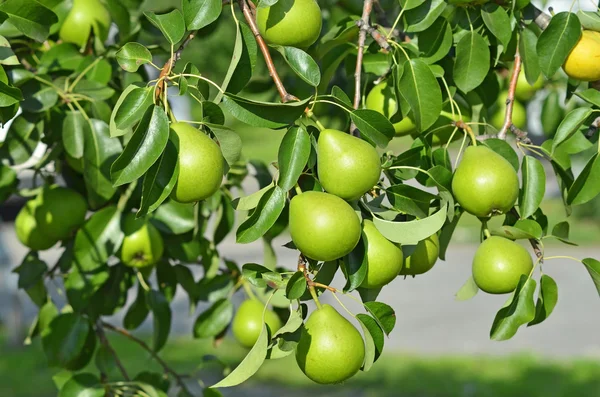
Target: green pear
[[331, 349], [143, 245], [519, 113], [295, 23], [27, 229], [384, 258], [84, 16], [485, 183], [423, 257], [498, 265], [61, 213], [525, 91], [323, 226], [200, 165], [248, 322], [382, 99], [347, 166]]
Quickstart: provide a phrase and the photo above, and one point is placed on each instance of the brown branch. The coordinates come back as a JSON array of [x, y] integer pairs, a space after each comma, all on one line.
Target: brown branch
[[362, 37], [511, 96], [537, 249], [540, 18], [144, 345], [378, 37], [593, 128], [106, 343], [170, 64], [520, 134], [309, 282], [250, 18]]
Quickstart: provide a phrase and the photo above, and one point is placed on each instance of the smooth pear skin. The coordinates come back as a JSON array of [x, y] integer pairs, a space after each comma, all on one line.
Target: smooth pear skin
[[331, 349], [498, 265], [200, 165], [323, 226], [84, 16], [519, 114], [61, 213], [27, 229], [423, 257], [347, 166], [248, 322], [583, 62], [384, 258], [382, 99], [524, 91], [485, 183], [295, 23], [143, 245]]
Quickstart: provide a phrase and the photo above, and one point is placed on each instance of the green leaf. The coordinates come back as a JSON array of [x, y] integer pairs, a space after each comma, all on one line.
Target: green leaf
[[137, 312], [263, 217], [294, 151], [82, 385], [81, 285], [593, 267], [161, 318], [497, 21], [31, 270], [302, 64], [468, 290], [518, 310], [355, 267], [37, 97], [143, 149], [527, 49], [30, 18], [64, 339], [264, 114], [534, 186], [93, 89], [436, 41], [591, 95], [383, 314], [296, 286], [8, 182], [422, 92], [409, 199], [472, 61], [214, 320], [570, 125], [242, 62], [410, 4], [587, 184], [170, 24], [411, 232], [373, 337], [99, 152], [547, 298], [161, 178], [9, 95], [130, 108], [523, 229], [7, 56], [504, 149], [557, 40], [174, 218], [22, 138], [200, 13], [247, 203], [98, 239], [133, 55], [423, 16], [120, 16], [589, 20], [114, 131], [373, 126], [229, 141], [73, 134]]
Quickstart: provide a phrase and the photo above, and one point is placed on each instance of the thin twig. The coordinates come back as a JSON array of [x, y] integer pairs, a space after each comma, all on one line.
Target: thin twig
[[540, 18], [309, 282], [170, 64], [362, 37], [144, 345], [593, 128], [378, 37], [520, 134], [510, 100], [106, 343], [250, 18]]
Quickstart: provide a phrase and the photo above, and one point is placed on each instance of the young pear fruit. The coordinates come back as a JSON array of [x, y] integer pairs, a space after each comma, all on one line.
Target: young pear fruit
[[295, 23], [347, 166], [200, 165], [248, 322], [384, 258], [27, 229], [331, 349], [143, 245], [485, 183], [519, 114], [382, 99], [61, 213], [423, 257], [323, 226], [582, 62], [84, 16], [498, 265], [525, 91]]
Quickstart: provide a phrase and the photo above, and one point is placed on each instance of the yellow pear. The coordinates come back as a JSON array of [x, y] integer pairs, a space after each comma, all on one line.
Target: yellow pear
[[583, 60]]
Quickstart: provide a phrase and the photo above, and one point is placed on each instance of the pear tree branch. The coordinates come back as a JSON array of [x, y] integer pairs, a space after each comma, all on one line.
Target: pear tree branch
[[510, 100], [106, 343], [251, 19], [170, 64]]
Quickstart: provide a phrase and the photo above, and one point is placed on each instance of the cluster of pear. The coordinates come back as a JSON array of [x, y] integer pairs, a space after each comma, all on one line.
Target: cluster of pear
[[485, 184]]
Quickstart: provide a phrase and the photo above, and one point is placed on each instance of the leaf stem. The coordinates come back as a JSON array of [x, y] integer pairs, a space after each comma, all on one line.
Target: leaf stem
[[313, 293], [562, 257], [84, 72]]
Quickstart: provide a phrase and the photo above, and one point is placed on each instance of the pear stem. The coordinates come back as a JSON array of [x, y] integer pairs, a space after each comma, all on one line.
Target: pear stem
[[486, 233], [313, 293], [248, 290], [297, 189], [510, 99], [314, 118]]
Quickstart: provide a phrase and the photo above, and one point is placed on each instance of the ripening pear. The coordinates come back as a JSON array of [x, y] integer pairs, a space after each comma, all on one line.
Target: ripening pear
[[331, 349], [525, 91], [498, 265], [582, 62], [485, 183], [384, 258], [61, 213], [248, 322], [423, 257], [347, 166], [295, 23], [382, 99], [519, 113], [84, 16], [27, 229], [200, 165], [323, 226], [142, 245]]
